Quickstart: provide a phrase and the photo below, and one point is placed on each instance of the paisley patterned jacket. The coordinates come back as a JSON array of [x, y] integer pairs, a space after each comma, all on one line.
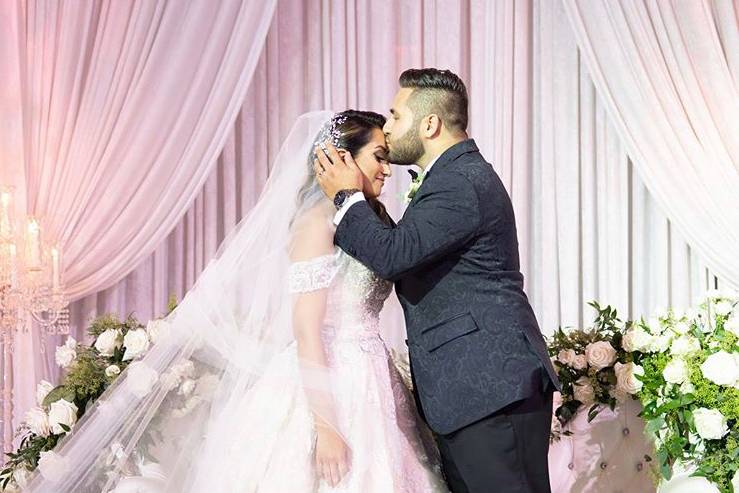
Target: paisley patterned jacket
[[473, 339]]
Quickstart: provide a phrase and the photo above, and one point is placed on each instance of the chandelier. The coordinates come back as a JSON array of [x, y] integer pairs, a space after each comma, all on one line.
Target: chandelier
[[30, 276]]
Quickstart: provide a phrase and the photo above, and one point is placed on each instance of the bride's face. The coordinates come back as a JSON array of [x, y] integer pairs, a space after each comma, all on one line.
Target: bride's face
[[372, 160]]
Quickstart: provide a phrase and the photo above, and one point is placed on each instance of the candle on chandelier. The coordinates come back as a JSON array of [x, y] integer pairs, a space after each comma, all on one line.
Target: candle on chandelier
[[5, 224], [33, 244], [13, 272], [55, 269]]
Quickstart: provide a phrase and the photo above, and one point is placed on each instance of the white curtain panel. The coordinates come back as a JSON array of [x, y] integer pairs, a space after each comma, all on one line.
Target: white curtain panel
[[667, 74]]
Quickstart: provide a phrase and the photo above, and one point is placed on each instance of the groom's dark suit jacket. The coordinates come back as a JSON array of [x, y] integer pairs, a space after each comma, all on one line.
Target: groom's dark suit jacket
[[474, 342]]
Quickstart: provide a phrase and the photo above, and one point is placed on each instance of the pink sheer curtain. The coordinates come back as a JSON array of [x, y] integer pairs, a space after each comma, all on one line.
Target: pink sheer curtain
[[667, 74], [117, 112], [126, 107]]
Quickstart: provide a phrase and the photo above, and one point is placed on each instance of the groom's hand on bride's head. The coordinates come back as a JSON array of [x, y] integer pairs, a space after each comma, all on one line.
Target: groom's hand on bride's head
[[335, 171]]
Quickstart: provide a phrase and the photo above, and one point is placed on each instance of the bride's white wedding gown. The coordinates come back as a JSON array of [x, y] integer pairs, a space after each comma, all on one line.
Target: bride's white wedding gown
[[272, 449], [222, 403]]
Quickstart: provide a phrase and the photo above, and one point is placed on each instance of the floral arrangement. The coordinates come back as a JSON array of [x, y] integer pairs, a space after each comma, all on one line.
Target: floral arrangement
[[88, 372], [595, 370], [689, 364]]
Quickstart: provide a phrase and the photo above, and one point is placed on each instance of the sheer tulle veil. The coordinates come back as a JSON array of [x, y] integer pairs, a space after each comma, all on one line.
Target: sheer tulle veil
[[166, 411]]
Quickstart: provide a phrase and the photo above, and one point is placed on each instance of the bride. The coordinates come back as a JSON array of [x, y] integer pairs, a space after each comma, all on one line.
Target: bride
[[271, 375]]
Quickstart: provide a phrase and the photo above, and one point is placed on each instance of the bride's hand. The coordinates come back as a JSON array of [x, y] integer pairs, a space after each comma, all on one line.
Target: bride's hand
[[332, 455]]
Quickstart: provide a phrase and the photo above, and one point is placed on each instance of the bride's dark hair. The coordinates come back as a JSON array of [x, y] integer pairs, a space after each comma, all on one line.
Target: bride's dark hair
[[349, 130]]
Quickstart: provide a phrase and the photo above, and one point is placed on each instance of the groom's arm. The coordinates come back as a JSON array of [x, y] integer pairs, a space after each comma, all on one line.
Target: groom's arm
[[441, 220]]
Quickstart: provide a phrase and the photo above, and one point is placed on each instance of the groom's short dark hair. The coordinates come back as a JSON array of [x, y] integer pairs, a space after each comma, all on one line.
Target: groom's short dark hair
[[437, 91]]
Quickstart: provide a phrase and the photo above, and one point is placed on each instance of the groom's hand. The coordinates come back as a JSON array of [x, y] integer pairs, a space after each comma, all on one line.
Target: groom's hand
[[334, 173]]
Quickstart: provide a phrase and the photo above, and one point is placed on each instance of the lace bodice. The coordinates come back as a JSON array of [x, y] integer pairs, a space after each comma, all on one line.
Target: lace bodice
[[356, 295]]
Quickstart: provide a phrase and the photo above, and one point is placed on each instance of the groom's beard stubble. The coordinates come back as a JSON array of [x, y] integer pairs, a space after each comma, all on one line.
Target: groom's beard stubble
[[407, 150]]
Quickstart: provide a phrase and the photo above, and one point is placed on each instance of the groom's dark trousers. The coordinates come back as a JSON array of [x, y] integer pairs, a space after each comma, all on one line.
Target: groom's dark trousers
[[481, 371], [505, 452]]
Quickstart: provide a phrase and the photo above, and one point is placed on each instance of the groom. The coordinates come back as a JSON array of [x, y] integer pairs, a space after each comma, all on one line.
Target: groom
[[483, 379]]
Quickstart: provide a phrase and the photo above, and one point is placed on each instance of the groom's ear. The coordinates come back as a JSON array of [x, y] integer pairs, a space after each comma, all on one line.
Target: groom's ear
[[431, 126]]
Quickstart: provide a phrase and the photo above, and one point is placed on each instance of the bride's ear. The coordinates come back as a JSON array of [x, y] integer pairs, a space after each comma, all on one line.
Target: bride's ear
[[342, 152]]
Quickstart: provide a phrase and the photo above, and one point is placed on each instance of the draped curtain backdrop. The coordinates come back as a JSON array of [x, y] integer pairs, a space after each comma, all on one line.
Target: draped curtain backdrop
[[668, 75], [588, 226], [114, 114]]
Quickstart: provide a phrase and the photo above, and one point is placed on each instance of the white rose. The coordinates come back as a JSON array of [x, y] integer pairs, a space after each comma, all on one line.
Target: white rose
[[61, 413], [206, 386], [112, 371], [735, 481], [681, 327], [42, 390], [108, 342], [187, 387], [580, 362], [52, 466], [684, 345], [720, 368], [117, 454], [636, 339], [710, 423], [38, 422], [184, 369], [655, 325], [626, 380], [583, 391], [65, 356], [566, 356], [676, 371], [713, 294], [686, 387], [157, 330], [732, 324], [600, 354], [723, 308], [136, 343], [678, 313], [141, 379], [660, 343], [20, 476]]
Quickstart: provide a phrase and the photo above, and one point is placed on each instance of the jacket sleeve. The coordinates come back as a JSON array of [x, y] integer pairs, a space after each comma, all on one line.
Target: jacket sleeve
[[441, 220]]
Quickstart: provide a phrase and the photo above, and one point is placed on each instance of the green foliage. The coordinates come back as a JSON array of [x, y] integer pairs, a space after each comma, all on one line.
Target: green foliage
[[85, 380], [172, 304], [668, 408]]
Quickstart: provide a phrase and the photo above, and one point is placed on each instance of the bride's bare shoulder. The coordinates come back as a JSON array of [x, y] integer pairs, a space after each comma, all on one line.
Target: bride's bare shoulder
[[312, 234]]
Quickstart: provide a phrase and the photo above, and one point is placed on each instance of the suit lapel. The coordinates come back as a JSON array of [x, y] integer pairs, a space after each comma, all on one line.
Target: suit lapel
[[447, 157]]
